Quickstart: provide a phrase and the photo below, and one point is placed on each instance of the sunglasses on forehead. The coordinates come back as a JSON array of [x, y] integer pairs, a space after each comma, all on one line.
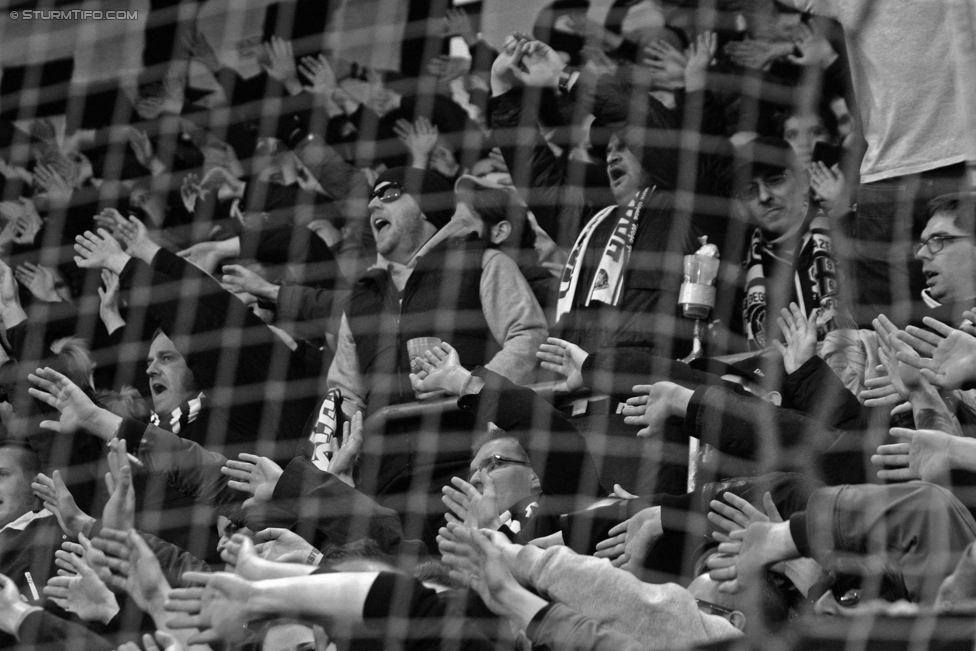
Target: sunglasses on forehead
[[387, 192]]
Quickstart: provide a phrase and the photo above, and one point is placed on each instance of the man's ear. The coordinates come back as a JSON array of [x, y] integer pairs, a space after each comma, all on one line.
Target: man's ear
[[774, 398], [536, 484], [738, 620], [500, 231]]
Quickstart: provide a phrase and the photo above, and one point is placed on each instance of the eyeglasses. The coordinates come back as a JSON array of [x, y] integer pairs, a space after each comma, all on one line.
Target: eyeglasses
[[714, 609], [494, 462], [936, 243], [387, 192], [771, 183]]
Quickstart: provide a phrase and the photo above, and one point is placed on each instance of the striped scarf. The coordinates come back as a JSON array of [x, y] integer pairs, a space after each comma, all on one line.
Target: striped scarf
[[814, 282], [180, 417], [608, 282]]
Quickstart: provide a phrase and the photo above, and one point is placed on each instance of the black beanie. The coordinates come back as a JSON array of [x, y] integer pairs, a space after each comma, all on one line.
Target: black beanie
[[432, 192]]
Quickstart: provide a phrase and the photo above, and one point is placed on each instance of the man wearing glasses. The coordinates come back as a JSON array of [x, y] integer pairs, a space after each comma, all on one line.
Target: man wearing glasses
[[790, 256], [947, 251], [426, 287], [474, 297]]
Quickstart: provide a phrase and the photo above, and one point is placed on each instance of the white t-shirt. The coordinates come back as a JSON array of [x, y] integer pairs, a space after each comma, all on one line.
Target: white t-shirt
[[904, 71]]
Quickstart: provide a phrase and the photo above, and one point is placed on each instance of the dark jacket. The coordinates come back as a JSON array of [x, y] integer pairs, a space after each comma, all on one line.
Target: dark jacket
[[382, 320]]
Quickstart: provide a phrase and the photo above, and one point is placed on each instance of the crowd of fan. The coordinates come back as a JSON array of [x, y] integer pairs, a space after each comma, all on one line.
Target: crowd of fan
[[427, 363]]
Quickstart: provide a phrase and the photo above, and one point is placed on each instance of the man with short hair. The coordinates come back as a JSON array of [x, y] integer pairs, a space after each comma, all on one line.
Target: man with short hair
[[29, 534], [947, 251], [790, 256], [530, 466], [911, 69]]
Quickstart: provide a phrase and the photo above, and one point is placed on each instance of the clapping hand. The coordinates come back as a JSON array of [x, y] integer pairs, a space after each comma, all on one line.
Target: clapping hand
[[667, 63], [564, 358], [920, 454], [469, 506], [254, 475], [952, 364], [344, 459], [630, 540], [78, 589], [100, 250], [40, 280], [59, 501], [651, 407], [699, 55], [279, 63], [829, 183], [800, 332], [216, 605], [439, 370]]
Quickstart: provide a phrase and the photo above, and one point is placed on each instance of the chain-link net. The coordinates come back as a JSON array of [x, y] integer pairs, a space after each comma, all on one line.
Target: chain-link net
[[359, 279]]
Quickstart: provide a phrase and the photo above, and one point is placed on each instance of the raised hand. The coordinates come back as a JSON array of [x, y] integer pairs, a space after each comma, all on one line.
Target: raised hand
[[238, 278], [737, 513], [109, 301], [120, 509], [630, 540], [922, 454], [319, 74], [142, 147], [217, 605], [457, 23], [12, 607], [279, 63], [447, 68], [504, 66], [8, 233], [59, 501], [344, 459], [133, 567], [40, 280], [283, 546], [897, 381], [205, 255], [241, 554], [757, 54], [78, 588], [905, 379], [27, 225], [653, 405], [200, 49], [667, 64], [829, 183], [566, 359], [815, 49], [469, 506], [55, 188], [800, 332], [699, 55], [110, 219], [539, 65], [440, 370], [78, 412], [99, 250], [478, 560], [254, 475], [420, 139], [953, 361], [135, 236]]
